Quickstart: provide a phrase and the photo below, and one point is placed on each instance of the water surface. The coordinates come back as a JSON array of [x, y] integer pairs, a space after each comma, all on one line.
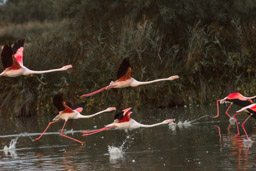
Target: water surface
[[207, 144]]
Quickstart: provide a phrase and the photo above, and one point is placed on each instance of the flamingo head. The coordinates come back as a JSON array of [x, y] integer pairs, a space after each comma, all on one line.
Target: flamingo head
[[173, 77], [167, 121], [110, 109], [222, 101], [66, 67], [2, 74]]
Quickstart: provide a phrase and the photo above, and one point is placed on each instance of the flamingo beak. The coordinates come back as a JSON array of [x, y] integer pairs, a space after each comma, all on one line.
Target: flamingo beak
[[126, 110], [222, 101]]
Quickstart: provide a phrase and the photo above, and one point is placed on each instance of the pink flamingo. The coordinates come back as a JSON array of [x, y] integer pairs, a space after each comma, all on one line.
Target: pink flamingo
[[66, 113], [12, 60], [124, 79], [234, 98], [122, 120], [251, 111]]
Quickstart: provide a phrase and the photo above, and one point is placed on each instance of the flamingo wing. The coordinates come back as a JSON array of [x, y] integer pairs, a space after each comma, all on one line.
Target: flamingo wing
[[58, 102], [18, 51], [119, 115], [123, 116], [124, 71], [6, 56]]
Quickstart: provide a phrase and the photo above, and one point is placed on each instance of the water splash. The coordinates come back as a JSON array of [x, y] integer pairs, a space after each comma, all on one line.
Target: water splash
[[118, 152], [115, 152], [172, 126], [205, 116], [186, 123], [247, 143], [180, 124], [11, 149], [232, 121]]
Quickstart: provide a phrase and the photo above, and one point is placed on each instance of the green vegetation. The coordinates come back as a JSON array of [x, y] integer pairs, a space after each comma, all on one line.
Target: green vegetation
[[210, 44]]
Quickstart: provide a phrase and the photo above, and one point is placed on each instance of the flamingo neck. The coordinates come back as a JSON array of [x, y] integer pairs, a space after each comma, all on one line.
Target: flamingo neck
[[252, 97], [42, 72], [149, 126], [90, 116], [138, 83]]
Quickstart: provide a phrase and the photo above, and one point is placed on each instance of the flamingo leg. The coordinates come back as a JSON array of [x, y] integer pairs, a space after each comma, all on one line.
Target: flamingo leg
[[228, 109], [92, 93], [85, 133], [244, 128], [218, 114], [61, 133], [238, 133], [45, 130]]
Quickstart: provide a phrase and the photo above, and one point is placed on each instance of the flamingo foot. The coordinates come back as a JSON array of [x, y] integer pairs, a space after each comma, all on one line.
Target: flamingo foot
[[36, 139]]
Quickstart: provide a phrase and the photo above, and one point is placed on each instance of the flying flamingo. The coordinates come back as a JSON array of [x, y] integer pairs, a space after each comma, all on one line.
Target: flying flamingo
[[124, 79], [12, 60], [251, 111], [66, 113], [234, 98], [122, 120]]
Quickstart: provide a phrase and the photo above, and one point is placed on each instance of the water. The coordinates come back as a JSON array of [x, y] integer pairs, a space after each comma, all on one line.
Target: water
[[190, 144]]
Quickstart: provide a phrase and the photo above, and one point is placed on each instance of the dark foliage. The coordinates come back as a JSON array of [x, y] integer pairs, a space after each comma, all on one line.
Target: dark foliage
[[210, 44]]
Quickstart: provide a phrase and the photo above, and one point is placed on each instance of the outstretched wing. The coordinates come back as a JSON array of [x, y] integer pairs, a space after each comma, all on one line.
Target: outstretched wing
[[124, 71], [58, 102], [6, 56], [18, 51]]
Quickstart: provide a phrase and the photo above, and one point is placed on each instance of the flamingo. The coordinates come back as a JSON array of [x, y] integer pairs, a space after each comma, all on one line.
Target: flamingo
[[234, 98], [122, 120], [124, 79], [66, 113], [251, 111], [12, 60]]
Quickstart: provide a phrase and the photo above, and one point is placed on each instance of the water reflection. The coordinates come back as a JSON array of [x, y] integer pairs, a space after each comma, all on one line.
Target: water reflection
[[67, 157], [238, 146]]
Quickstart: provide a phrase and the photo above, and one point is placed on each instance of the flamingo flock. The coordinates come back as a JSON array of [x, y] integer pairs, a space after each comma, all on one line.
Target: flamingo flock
[[12, 61]]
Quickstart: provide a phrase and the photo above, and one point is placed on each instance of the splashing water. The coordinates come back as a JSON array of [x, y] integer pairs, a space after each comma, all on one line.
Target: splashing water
[[172, 126], [186, 123], [232, 121], [247, 143], [205, 116], [180, 124], [12, 148], [117, 152]]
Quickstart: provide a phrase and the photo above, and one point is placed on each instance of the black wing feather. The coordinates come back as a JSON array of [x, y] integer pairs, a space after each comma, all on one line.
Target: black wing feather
[[18, 45], [6, 56], [119, 115], [123, 68], [58, 102]]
